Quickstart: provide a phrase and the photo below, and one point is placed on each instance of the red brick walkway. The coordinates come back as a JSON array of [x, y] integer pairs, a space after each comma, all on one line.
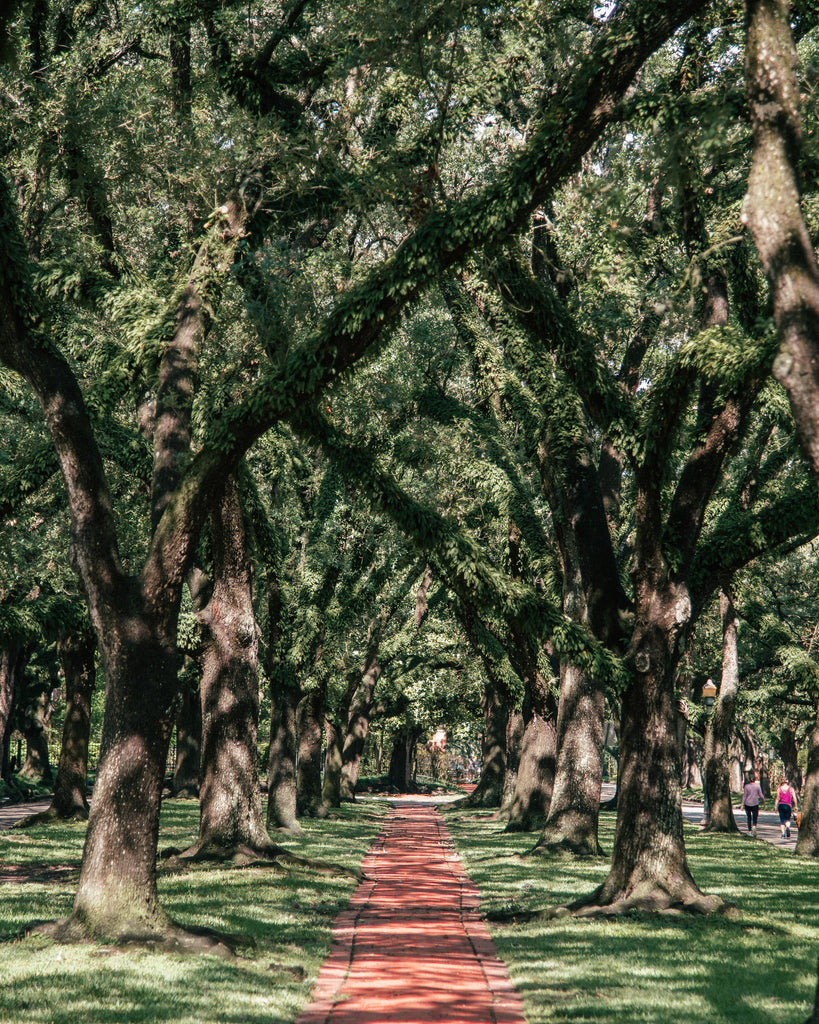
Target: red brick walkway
[[411, 948]]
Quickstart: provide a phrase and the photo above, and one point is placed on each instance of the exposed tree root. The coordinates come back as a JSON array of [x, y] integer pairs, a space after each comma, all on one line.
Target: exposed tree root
[[50, 815], [567, 846], [650, 901], [268, 855], [163, 938]]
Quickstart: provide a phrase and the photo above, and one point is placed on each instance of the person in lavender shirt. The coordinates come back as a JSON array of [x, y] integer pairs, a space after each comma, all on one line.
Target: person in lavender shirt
[[752, 799]]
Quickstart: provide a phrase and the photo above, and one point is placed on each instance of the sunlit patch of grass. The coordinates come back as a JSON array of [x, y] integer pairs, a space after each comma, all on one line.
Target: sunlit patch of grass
[[285, 918], [642, 969]]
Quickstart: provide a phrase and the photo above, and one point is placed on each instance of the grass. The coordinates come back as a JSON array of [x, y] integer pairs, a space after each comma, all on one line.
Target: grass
[[287, 918], [759, 967], [637, 970]]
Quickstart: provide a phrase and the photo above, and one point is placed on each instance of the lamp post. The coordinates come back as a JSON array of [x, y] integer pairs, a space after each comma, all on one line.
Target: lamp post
[[709, 696]]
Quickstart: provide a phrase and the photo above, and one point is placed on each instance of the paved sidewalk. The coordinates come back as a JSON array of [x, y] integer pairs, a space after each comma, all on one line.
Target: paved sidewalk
[[12, 813], [411, 948]]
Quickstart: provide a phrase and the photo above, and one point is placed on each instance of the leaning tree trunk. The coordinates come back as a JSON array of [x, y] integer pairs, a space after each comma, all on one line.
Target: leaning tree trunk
[[76, 652], [310, 717], [574, 810], [229, 799], [358, 725], [807, 843], [721, 727], [489, 790]]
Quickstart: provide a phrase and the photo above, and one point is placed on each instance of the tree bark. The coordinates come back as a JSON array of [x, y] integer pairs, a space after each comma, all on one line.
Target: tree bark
[[721, 726], [229, 800], [76, 652], [772, 211], [575, 806], [535, 778], [358, 724], [331, 786], [489, 790], [187, 769], [310, 717], [281, 780], [399, 774], [9, 661], [807, 841], [37, 766]]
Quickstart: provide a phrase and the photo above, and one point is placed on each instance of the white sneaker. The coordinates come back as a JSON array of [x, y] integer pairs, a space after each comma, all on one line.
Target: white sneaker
[[753, 832]]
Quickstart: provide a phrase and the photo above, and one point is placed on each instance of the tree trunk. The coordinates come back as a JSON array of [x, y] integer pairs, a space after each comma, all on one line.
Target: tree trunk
[[721, 726], [789, 752], [535, 778], [400, 771], [489, 790], [331, 787], [188, 744], [9, 658], [76, 652], [37, 767], [515, 729], [310, 716], [281, 780], [229, 800], [139, 662], [807, 842], [358, 724], [575, 805], [649, 868]]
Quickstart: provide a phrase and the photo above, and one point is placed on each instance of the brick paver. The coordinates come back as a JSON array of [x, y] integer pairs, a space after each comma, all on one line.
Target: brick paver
[[411, 947]]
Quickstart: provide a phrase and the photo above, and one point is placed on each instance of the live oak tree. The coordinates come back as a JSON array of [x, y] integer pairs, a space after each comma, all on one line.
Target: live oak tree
[[134, 607]]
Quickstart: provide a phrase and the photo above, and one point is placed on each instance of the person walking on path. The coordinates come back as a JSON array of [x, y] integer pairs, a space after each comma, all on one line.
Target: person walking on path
[[786, 805], [752, 799], [411, 948]]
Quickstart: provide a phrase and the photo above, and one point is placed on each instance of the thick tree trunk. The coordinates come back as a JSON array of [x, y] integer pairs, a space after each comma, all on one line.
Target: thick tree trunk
[[649, 868], [188, 744], [139, 661], [807, 842], [37, 766], [535, 778], [281, 779], [489, 790], [575, 805], [331, 786], [9, 659], [789, 752], [358, 724], [310, 718], [515, 729], [76, 652], [229, 800], [400, 771], [721, 727]]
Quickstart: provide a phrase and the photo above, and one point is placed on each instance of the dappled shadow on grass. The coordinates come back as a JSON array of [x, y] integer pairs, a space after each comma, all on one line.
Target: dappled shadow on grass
[[281, 925], [647, 969]]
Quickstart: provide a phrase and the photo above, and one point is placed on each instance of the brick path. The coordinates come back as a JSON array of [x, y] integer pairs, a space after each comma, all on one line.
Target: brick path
[[411, 948]]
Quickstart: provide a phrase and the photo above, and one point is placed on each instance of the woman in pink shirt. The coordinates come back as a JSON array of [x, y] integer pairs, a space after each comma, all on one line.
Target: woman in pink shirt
[[786, 805]]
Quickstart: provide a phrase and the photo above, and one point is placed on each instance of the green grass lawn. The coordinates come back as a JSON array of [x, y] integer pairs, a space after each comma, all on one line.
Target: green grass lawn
[[287, 918], [759, 967]]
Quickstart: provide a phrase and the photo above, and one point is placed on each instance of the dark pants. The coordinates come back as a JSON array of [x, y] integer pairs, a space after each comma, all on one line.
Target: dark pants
[[752, 814]]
